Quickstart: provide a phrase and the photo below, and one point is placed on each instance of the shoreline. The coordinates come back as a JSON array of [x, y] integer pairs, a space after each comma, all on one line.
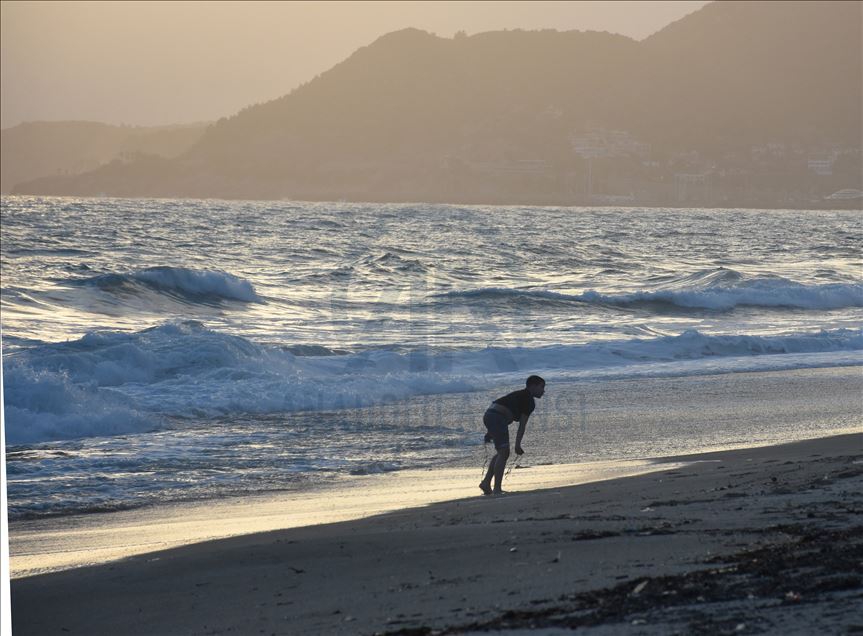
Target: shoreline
[[569, 444], [584, 421], [677, 549], [57, 543]]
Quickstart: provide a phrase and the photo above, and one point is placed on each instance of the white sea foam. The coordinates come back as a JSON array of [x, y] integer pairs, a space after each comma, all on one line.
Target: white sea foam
[[47, 405], [117, 382]]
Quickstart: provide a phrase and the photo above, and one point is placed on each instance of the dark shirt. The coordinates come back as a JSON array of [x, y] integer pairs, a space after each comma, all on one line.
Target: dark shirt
[[518, 402]]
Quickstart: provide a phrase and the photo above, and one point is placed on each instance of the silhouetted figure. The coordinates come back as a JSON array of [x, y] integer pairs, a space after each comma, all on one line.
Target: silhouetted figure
[[517, 405]]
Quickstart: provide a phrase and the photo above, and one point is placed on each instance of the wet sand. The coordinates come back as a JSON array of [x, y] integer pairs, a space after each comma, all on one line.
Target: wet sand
[[762, 540], [52, 544]]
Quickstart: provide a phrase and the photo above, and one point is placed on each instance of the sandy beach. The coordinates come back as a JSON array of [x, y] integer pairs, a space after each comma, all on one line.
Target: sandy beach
[[763, 540], [269, 308]]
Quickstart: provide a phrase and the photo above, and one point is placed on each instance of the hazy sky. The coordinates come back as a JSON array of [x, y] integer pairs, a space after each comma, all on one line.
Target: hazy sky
[[149, 63]]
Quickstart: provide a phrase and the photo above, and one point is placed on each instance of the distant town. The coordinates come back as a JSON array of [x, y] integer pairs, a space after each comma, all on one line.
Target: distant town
[[614, 167]]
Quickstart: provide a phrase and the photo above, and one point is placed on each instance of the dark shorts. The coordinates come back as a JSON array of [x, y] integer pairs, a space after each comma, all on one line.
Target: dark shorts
[[497, 427]]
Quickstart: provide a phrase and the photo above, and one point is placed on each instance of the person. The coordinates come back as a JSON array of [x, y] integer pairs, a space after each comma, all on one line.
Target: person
[[517, 405]]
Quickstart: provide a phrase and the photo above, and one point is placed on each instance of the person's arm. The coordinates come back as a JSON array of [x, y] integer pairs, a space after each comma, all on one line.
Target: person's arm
[[522, 424]]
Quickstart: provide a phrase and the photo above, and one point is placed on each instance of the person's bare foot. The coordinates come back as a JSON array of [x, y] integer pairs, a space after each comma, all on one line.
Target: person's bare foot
[[485, 488]]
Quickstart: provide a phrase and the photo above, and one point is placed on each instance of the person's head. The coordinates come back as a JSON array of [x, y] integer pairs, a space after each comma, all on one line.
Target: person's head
[[536, 386]]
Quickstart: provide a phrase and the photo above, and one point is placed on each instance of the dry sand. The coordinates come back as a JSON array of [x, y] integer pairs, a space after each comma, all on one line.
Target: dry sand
[[764, 540]]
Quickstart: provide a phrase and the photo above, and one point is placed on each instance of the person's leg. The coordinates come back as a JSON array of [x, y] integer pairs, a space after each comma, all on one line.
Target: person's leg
[[485, 484], [499, 466], [499, 432]]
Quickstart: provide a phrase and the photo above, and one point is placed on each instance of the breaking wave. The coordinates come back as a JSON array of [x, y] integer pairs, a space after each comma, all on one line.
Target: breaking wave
[[718, 293], [188, 284], [111, 382]]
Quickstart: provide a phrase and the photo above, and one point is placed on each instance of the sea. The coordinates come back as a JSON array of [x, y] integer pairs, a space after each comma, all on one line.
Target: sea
[[161, 350]]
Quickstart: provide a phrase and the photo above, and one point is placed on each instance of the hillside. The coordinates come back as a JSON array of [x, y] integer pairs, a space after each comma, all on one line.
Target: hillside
[[546, 116], [755, 72], [38, 149]]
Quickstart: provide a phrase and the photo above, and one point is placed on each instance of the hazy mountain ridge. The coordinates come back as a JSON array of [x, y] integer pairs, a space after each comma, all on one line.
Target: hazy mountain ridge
[[515, 116], [38, 149]]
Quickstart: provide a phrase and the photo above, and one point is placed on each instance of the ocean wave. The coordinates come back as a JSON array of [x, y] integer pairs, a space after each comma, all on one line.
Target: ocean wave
[[118, 382], [510, 294], [723, 292], [390, 263], [189, 284], [375, 468], [182, 370], [49, 251], [47, 405], [757, 292], [373, 267]]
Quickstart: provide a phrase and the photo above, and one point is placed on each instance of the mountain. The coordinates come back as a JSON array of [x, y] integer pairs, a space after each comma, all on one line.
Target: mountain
[[547, 116], [753, 72], [38, 149]]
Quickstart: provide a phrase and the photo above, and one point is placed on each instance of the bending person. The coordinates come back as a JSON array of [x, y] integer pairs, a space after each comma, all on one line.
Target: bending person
[[517, 405]]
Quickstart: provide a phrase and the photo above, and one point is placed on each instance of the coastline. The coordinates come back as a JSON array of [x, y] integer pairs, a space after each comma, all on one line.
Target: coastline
[[731, 542], [584, 433], [818, 205], [54, 544]]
